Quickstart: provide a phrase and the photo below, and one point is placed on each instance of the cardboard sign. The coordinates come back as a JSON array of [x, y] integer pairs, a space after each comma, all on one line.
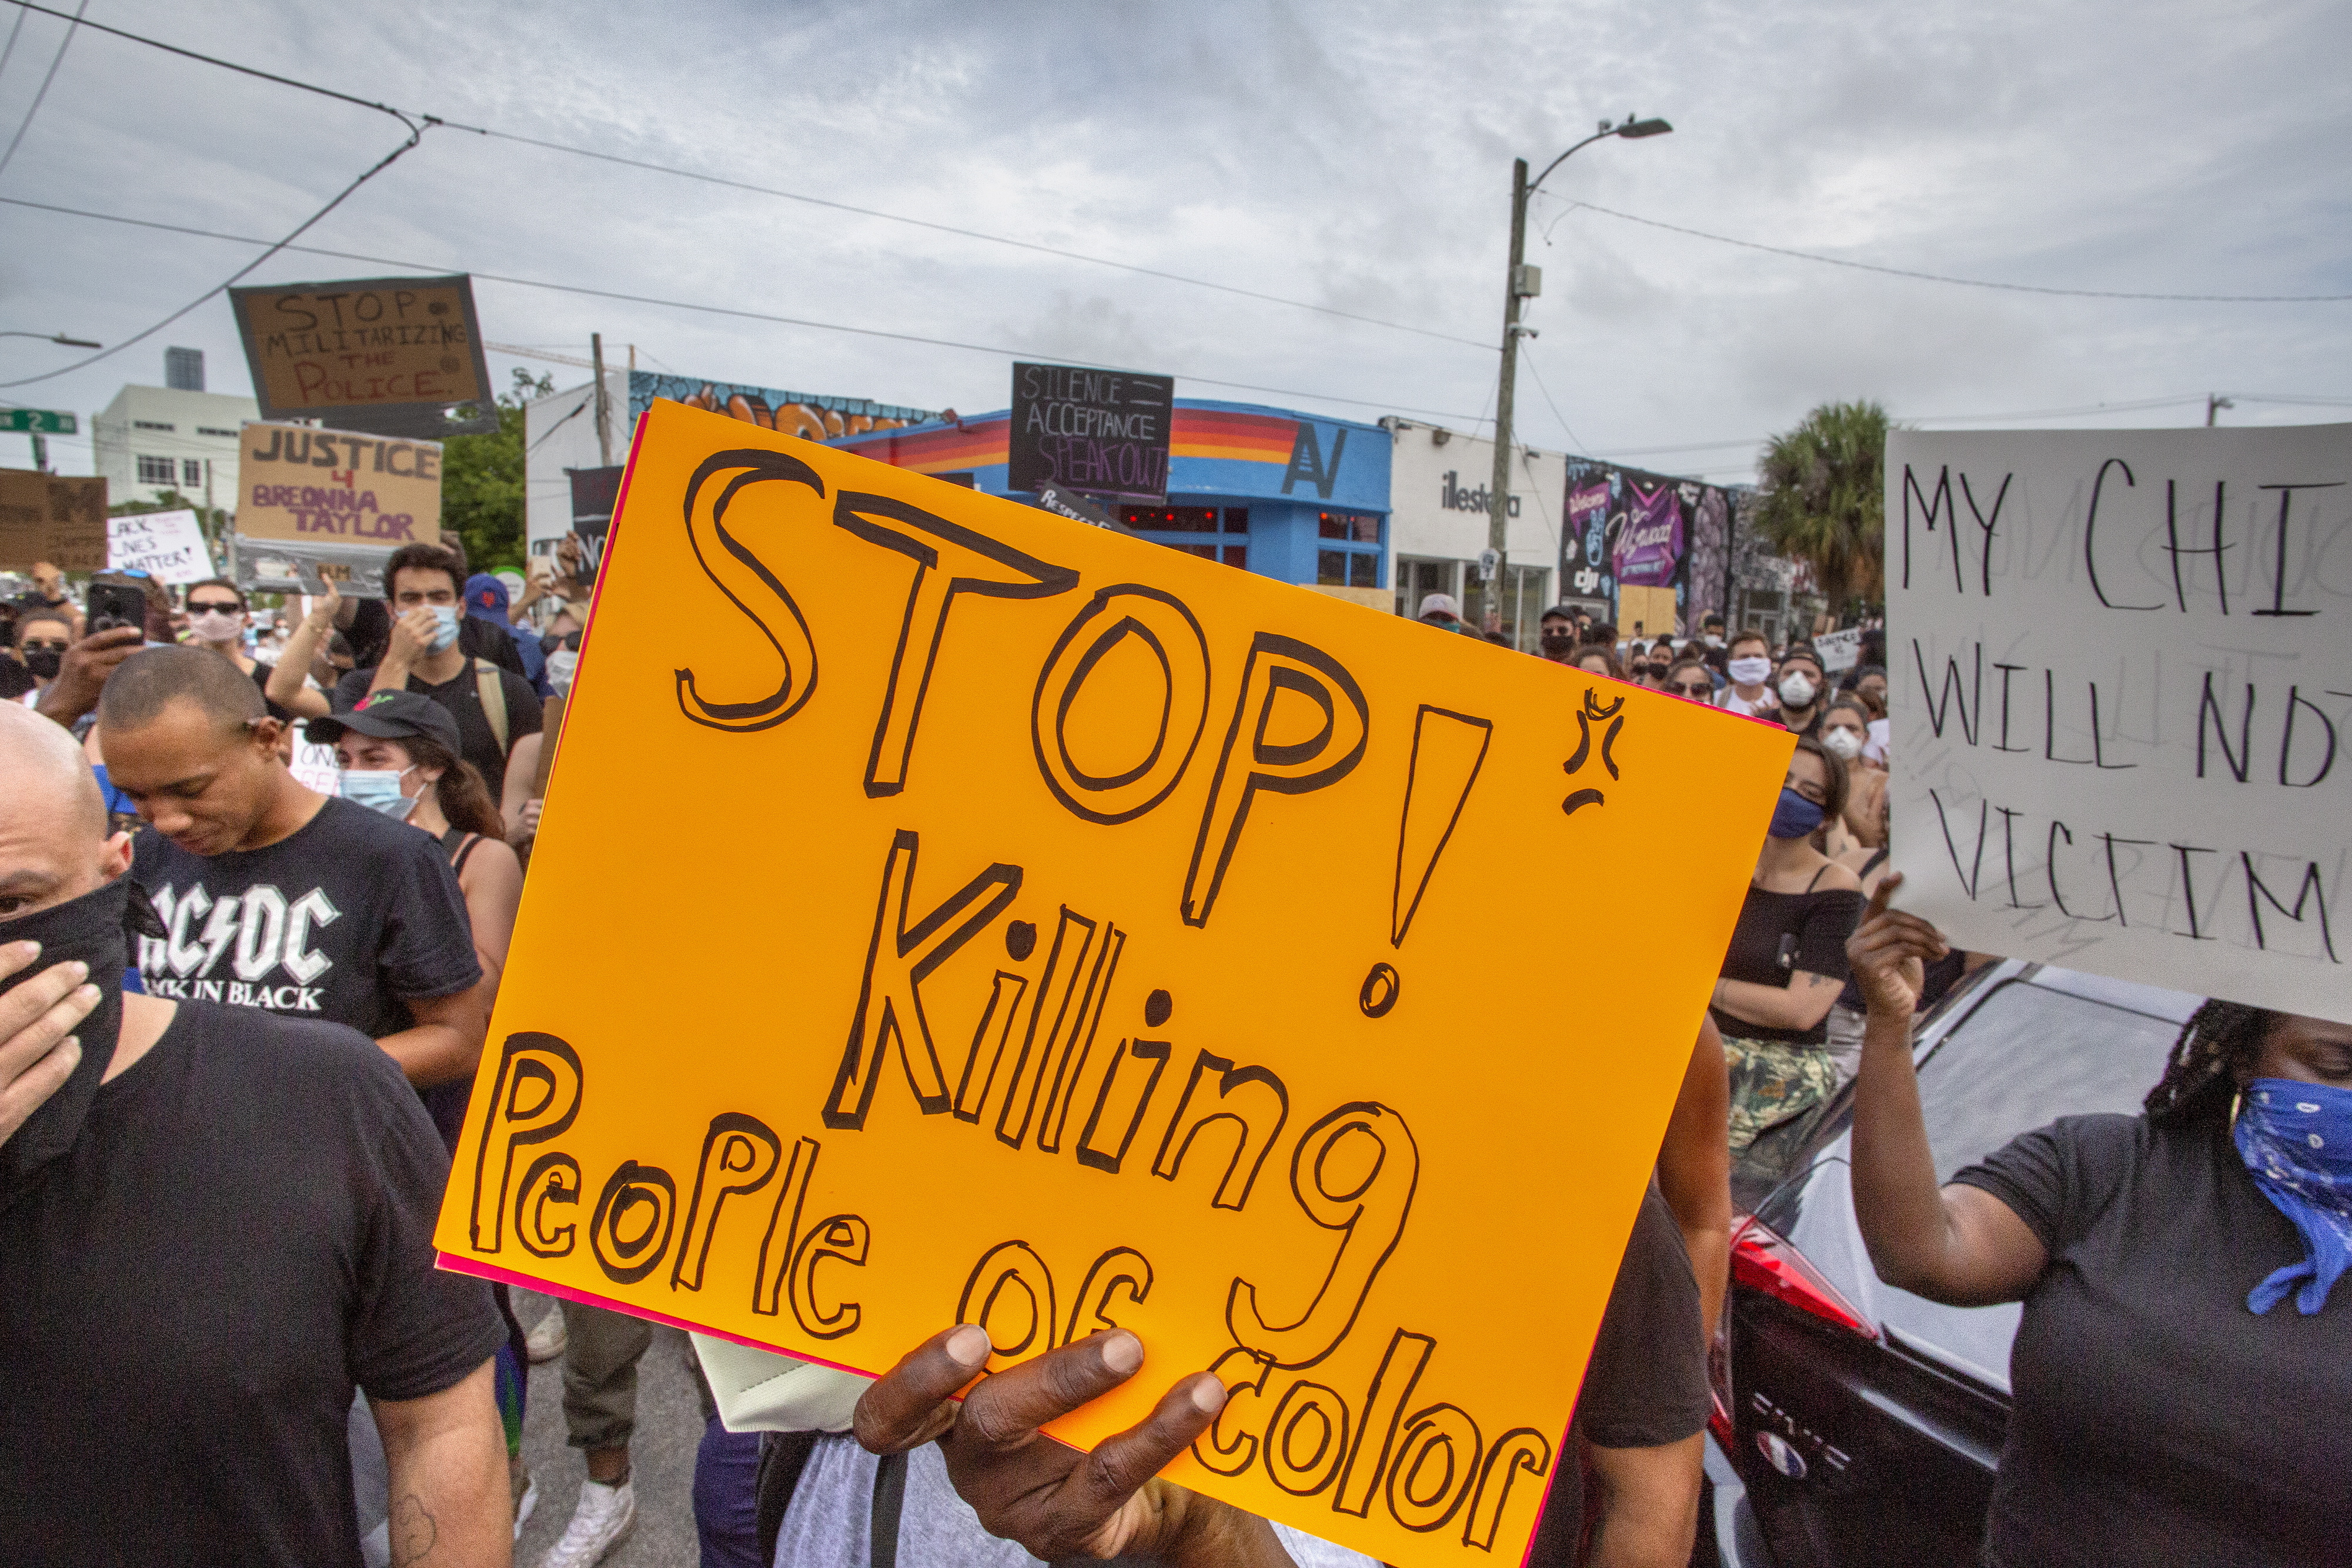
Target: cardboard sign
[[1104, 433], [1839, 650], [945, 910], [2120, 677], [323, 502], [46, 517], [400, 347], [167, 546]]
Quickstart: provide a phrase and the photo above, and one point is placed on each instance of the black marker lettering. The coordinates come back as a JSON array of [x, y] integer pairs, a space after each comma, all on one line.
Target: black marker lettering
[[2278, 577]]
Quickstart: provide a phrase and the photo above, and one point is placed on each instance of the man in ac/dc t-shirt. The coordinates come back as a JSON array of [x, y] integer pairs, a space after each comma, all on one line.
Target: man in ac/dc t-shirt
[[277, 897]]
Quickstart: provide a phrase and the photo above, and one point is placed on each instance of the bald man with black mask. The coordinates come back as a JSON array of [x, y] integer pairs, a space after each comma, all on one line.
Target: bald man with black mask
[[214, 1224]]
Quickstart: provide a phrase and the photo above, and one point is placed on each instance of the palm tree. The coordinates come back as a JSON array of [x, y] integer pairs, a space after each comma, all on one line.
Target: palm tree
[[1825, 498]]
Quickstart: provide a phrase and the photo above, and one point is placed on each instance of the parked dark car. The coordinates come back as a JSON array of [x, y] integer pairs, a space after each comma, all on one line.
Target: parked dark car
[[1864, 1423]]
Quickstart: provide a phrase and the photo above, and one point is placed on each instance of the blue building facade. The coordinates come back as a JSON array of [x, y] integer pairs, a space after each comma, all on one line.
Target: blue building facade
[[1299, 497]]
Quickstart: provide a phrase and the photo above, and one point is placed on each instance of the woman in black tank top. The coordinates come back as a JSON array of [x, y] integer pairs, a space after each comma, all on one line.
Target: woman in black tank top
[[1786, 965]]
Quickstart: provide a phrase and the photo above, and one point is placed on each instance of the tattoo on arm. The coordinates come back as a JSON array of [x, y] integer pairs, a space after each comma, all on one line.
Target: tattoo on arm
[[414, 1532]]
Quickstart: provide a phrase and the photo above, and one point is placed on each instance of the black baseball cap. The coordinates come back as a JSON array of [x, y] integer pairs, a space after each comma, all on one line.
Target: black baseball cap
[[391, 716]]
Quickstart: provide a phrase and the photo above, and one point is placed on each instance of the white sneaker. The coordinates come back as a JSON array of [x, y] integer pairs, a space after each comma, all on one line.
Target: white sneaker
[[526, 1504], [546, 1339], [598, 1524]]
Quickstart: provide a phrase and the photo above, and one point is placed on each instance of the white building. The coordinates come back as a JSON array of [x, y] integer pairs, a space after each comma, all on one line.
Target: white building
[[559, 432], [1439, 481], [152, 439]]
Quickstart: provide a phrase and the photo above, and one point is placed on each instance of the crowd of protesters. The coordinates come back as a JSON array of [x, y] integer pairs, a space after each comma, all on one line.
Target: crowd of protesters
[[259, 875]]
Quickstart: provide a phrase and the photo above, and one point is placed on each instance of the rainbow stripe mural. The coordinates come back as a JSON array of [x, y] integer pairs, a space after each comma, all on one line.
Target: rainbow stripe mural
[[1226, 435]]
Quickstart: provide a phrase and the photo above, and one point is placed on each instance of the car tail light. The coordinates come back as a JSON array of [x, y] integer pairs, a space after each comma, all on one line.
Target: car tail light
[[1719, 1370], [1763, 1262]]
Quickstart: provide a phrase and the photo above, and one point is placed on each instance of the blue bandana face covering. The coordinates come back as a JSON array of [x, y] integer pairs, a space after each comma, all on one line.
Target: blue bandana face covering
[[2296, 1140], [1794, 817]]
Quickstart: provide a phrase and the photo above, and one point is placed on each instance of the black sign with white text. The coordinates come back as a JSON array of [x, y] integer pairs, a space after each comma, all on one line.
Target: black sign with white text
[[1104, 433]]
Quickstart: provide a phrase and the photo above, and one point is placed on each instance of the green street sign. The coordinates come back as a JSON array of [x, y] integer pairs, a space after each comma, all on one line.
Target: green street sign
[[38, 421]]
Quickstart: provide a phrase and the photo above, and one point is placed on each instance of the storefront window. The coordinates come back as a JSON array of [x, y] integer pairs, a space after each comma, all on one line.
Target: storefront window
[[1416, 578], [1357, 563], [1524, 602], [1213, 533], [1170, 519]]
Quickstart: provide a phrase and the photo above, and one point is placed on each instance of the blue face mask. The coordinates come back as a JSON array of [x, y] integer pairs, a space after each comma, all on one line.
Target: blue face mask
[[445, 628], [1794, 817], [2296, 1140], [377, 789]]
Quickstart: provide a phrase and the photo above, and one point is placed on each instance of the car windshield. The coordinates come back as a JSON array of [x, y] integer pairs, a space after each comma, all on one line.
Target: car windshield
[[2028, 1055]]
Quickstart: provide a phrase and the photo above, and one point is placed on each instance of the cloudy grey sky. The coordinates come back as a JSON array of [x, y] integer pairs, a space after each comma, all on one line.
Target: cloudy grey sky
[[1356, 156]]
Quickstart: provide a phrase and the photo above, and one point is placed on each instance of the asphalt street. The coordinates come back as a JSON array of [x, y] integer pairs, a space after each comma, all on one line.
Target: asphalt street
[[669, 1426]]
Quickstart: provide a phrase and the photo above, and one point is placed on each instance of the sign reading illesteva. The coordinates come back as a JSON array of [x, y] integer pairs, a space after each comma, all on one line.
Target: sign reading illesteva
[[1122, 951], [384, 354], [1102, 433], [2120, 672]]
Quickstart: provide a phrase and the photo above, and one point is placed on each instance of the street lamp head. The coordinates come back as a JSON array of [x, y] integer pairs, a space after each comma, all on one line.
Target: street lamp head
[[1637, 127]]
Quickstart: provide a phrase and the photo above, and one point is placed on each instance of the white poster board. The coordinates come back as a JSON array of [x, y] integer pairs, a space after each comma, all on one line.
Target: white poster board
[[2120, 676], [312, 764], [167, 546], [1839, 650]]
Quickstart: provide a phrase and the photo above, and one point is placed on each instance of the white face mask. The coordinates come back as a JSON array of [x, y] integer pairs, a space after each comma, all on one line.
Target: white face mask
[[1796, 690], [1751, 671], [217, 626], [1842, 744], [560, 667]]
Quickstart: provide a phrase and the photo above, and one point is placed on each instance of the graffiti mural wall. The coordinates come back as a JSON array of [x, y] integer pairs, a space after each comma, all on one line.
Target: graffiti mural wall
[[1624, 529], [808, 415]]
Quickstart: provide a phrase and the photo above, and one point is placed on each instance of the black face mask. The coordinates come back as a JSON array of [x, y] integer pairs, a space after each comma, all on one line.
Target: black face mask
[[1556, 644], [44, 663], [96, 928]]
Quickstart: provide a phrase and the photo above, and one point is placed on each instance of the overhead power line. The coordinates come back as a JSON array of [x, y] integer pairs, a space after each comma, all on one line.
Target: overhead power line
[[9, 53], [654, 300], [785, 195], [214, 60], [975, 233], [415, 134], [1967, 282], [73, 24], [522, 352]]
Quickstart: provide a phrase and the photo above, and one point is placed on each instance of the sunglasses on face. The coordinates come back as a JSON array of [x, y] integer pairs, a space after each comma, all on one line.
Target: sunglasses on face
[[1691, 688], [212, 607]]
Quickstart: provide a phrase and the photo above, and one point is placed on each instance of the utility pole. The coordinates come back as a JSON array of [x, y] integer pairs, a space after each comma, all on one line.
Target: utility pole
[[1520, 282], [603, 403], [2214, 402], [1524, 282]]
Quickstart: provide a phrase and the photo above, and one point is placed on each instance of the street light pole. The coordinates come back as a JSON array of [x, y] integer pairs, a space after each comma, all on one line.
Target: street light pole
[[1523, 282]]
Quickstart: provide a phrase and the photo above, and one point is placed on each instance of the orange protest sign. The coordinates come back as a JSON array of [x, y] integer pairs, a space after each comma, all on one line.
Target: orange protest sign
[[944, 910]]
